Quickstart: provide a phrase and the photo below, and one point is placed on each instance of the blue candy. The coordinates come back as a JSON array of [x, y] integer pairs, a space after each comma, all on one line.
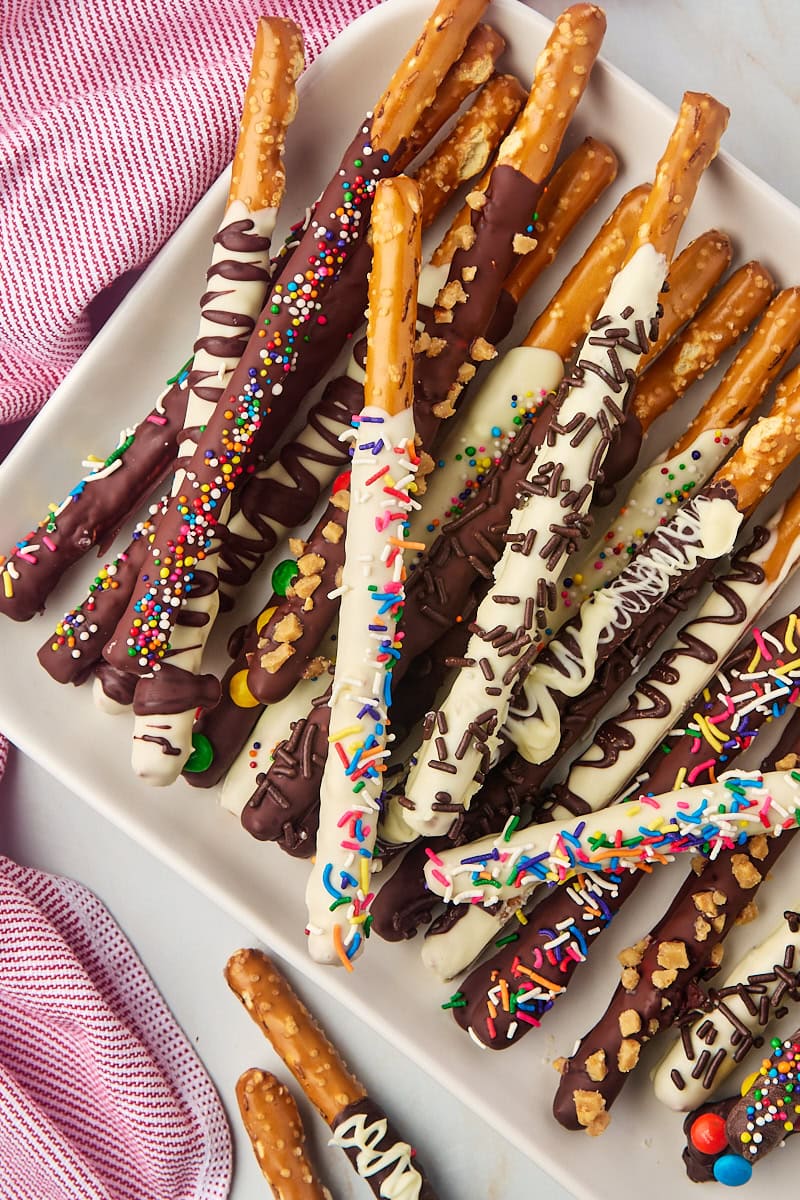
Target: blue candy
[[732, 1170]]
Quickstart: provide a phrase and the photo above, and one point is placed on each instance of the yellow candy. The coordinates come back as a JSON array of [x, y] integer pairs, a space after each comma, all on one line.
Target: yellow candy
[[265, 616], [748, 1082], [240, 692]]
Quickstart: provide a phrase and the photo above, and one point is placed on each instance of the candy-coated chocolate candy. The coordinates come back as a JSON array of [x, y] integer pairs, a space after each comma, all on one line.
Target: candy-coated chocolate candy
[[283, 576], [202, 755], [732, 1170], [241, 695], [708, 1134]]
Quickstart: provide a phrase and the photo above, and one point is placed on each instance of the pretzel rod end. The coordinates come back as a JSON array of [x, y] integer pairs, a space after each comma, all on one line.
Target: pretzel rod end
[[562, 73], [258, 177], [392, 314], [692, 146], [272, 1121]]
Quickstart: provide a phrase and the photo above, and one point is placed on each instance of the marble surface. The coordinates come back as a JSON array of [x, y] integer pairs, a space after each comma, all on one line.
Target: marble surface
[[745, 52]]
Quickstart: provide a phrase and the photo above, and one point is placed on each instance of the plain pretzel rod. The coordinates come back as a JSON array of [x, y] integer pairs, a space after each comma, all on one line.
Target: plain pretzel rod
[[273, 1124], [551, 519]]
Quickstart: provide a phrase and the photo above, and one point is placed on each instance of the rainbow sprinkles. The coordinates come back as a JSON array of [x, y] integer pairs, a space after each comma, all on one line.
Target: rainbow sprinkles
[[626, 837], [372, 592]]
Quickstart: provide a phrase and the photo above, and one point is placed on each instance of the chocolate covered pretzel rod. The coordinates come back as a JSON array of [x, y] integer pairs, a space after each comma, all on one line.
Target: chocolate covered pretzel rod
[[701, 530], [270, 1117], [467, 546], [555, 497], [359, 1127], [278, 365], [717, 726], [384, 464]]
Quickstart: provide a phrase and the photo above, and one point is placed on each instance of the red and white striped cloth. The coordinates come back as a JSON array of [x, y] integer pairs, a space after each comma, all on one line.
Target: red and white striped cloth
[[115, 118], [101, 1095]]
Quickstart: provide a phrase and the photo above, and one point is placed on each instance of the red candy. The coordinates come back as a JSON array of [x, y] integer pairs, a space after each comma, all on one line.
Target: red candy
[[341, 481], [708, 1134]]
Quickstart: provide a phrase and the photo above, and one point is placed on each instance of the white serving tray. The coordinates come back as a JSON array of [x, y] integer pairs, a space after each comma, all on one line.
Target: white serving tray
[[114, 383]]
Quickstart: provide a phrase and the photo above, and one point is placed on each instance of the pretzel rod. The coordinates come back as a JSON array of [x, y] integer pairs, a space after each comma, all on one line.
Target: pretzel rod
[[732, 1015], [377, 1153], [656, 974], [275, 372], [718, 724], [554, 499], [464, 552], [690, 462], [717, 327], [270, 1117]]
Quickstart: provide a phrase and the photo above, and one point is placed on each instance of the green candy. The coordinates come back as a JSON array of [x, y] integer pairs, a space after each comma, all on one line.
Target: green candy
[[284, 576], [202, 754]]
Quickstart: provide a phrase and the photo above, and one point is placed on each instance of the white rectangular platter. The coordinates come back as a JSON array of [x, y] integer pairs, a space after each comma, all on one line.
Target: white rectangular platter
[[114, 383]]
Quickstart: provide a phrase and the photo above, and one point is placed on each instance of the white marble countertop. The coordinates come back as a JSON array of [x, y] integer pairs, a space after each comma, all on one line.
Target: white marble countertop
[[745, 52]]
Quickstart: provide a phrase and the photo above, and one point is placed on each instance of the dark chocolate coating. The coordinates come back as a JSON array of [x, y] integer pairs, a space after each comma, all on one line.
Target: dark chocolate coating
[[271, 686], [379, 1144], [679, 924], [96, 511], [174, 690], [117, 685]]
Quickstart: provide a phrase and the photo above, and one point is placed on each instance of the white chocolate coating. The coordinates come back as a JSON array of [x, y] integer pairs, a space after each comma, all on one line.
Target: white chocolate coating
[[653, 498], [481, 693], [350, 796], [760, 960], [704, 529], [740, 804], [449, 953]]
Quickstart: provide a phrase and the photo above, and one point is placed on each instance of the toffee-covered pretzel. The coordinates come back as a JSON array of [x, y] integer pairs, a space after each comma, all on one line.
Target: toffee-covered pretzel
[[384, 466], [270, 1117], [682, 468], [718, 725], [550, 520], [725, 1025], [275, 372], [358, 1125], [656, 973], [716, 327]]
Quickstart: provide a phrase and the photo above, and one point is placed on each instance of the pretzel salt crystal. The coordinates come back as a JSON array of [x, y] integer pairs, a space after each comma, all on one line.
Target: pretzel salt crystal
[[715, 328], [270, 1117], [378, 1155], [384, 465], [550, 521]]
